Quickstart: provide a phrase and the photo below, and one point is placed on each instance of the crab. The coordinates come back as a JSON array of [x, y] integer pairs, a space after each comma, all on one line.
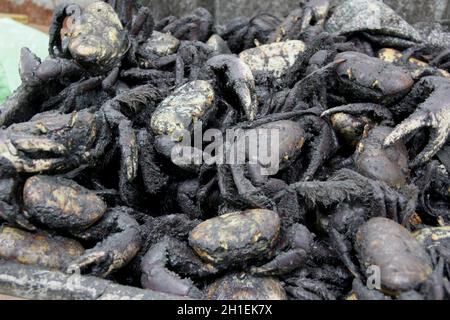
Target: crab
[[428, 96], [243, 33], [158, 51], [204, 253], [59, 143], [173, 118], [173, 121], [243, 238], [61, 205], [115, 117], [38, 248], [272, 61], [312, 15], [375, 21], [88, 55], [372, 80], [297, 131], [242, 286], [434, 192], [313, 283], [407, 270], [191, 57], [195, 26], [436, 242], [378, 186], [52, 142]]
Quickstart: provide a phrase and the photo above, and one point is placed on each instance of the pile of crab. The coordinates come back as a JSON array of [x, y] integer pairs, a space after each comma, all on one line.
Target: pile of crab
[[360, 208]]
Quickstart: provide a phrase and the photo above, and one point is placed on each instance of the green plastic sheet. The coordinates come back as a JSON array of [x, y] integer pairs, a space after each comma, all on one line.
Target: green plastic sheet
[[13, 37], [4, 85]]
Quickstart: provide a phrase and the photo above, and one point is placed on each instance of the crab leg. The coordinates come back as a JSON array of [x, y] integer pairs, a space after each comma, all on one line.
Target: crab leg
[[239, 79], [359, 109], [156, 276], [113, 252]]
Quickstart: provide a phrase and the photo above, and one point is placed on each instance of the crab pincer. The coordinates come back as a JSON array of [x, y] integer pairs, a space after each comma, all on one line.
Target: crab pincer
[[433, 113]]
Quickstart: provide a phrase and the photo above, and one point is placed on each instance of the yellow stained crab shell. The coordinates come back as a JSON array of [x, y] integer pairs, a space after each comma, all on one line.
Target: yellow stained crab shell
[[97, 38]]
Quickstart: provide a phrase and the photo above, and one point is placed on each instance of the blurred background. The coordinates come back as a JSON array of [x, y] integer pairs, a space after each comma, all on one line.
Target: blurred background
[[25, 22], [39, 11]]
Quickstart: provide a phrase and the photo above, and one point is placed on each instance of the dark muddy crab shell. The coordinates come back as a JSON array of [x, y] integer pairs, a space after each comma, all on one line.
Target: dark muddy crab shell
[[96, 38], [233, 238]]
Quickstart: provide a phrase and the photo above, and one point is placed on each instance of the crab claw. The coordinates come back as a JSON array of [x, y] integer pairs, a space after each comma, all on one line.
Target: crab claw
[[434, 113], [13, 154], [28, 65], [156, 275], [299, 241], [238, 79], [115, 251]]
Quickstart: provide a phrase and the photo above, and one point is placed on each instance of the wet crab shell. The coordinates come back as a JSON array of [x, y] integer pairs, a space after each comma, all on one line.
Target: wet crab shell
[[60, 203], [273, 59], [38, 249], [190, 103], [97, 39], [348, 127], [384, 164], [371, 78], [242, 286], [236, 237], [288, 137], [404, 264]]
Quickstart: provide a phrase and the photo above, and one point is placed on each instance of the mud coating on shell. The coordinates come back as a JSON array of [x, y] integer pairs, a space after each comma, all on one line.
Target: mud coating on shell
[[98, 39], [241, 286], [183, 108], [63, 137], [291, 136], [38, 249], [384, 164], [235, 238], [373, 76], [161, 44], [275, 59], [62, 204], [348, 128], [403, 261]]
